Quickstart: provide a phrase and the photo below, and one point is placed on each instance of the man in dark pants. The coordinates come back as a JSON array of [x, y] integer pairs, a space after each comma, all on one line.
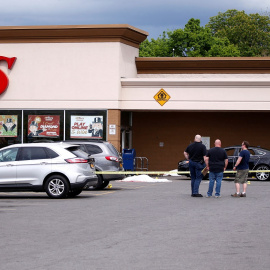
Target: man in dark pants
[[196, 153]]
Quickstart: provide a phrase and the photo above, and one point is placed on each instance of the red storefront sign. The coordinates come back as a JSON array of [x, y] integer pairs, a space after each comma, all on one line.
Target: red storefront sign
[[3, 78]]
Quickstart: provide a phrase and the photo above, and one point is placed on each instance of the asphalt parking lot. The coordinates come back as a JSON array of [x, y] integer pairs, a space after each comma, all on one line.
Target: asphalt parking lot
[[137, 226]]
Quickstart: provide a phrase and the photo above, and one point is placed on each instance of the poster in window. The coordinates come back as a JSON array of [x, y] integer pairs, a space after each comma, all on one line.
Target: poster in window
[[43, 126], [86, 127], [8, 125]]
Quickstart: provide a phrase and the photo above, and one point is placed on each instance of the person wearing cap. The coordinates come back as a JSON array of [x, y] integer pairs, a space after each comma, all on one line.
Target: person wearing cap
[[196, 153], [97, 127], [34, 130], [9, 125]]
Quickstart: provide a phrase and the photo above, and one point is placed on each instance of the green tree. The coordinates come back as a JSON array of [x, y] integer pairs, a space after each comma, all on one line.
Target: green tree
[[156, 47], [197, 41], [251, 33], [194, 41]]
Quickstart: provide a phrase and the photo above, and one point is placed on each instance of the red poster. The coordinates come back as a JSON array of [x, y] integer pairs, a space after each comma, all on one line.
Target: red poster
[[43, 126]]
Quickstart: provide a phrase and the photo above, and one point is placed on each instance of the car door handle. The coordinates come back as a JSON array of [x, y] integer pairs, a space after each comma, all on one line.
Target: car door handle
[[10, 165], [44, 163]]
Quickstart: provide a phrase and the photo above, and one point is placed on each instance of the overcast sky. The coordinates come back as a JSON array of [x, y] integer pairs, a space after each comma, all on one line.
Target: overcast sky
[[153, 16]]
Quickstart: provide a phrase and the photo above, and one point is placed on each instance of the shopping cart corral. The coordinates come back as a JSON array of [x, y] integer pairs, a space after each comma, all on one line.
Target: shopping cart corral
[[141, 163]]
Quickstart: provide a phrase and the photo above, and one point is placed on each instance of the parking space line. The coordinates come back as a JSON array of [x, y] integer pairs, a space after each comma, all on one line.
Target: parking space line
[[104, 193], [32, 204]]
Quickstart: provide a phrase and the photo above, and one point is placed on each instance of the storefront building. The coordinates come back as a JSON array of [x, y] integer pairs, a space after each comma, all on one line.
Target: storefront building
[[87, 82]]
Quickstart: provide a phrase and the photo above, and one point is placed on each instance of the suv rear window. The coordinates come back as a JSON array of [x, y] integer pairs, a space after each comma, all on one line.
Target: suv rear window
[[77, 152], [93, 149], [112, 149], [51, 153]]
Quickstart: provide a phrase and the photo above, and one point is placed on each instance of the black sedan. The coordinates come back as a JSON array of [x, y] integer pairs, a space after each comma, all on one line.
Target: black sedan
[[259, 160]]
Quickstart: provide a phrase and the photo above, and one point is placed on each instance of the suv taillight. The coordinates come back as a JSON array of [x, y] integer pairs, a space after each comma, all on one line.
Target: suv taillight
[[92, 163], [112, 158], [76, 160]]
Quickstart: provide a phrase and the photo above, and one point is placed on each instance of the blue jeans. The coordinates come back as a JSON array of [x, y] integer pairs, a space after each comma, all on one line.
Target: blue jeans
[[213, 176], [195, 169]]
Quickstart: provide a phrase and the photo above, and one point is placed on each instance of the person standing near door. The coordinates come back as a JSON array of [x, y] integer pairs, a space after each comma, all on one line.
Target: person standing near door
[[242, 167], [196, 153]]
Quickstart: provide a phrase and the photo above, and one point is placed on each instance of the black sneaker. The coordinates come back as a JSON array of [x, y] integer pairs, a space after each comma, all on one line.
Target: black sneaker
[[197, 195]]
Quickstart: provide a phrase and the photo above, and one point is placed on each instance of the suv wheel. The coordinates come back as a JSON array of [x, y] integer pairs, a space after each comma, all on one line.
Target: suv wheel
[[101, 183], [57, 187], [104, 184], [263, 176]]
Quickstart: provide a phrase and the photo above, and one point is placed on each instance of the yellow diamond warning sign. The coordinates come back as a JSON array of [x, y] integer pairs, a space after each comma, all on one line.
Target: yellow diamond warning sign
[[162, 97]]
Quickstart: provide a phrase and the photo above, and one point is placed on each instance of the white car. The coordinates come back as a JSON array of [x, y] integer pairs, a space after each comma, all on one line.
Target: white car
[[59, 169]]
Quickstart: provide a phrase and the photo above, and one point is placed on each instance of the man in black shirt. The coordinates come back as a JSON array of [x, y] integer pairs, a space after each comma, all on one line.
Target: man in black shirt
[[196, 153], [216, 162]]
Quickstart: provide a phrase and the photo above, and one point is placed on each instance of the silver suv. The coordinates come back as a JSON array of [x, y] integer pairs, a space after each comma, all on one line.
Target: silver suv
[[59, 169], [107, 158]]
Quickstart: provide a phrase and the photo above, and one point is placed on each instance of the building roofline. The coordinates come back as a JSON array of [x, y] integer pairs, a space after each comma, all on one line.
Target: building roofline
[[203, 65], [123, 33]]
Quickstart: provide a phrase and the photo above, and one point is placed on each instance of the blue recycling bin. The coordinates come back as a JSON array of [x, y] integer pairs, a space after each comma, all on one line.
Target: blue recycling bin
[[129, 162]]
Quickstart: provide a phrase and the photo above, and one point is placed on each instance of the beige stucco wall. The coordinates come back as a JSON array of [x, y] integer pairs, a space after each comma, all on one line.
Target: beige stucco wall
[[103, 75], [66, 75], [198, 92]]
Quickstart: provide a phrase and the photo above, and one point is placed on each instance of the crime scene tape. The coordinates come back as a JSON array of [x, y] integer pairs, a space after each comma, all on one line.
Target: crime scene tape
[[167, 172]]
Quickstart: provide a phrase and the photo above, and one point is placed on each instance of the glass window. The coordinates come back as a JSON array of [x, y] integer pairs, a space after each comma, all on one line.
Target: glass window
[[32, 153], [251, 151], [93, 149], [85, 124], [112, 148], [82, 147], [8, 154], [260, 152], [51, 153], [10, 127], [77, 152], [43, 125], [230, 152]]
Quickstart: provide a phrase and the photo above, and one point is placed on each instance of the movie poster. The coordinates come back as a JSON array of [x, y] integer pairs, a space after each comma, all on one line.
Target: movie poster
[[8, 125], [86, 127], [43, 126]]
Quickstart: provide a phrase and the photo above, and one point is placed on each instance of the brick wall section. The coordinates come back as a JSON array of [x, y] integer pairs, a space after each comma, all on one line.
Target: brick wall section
[[114, 118], [177, 129]]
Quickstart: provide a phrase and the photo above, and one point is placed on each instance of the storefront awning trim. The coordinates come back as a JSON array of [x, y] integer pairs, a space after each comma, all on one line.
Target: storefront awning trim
[[123, 33], [203, 65]]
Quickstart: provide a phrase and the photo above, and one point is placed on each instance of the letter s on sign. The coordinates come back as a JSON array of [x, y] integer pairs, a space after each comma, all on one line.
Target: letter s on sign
[[3, 77]]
